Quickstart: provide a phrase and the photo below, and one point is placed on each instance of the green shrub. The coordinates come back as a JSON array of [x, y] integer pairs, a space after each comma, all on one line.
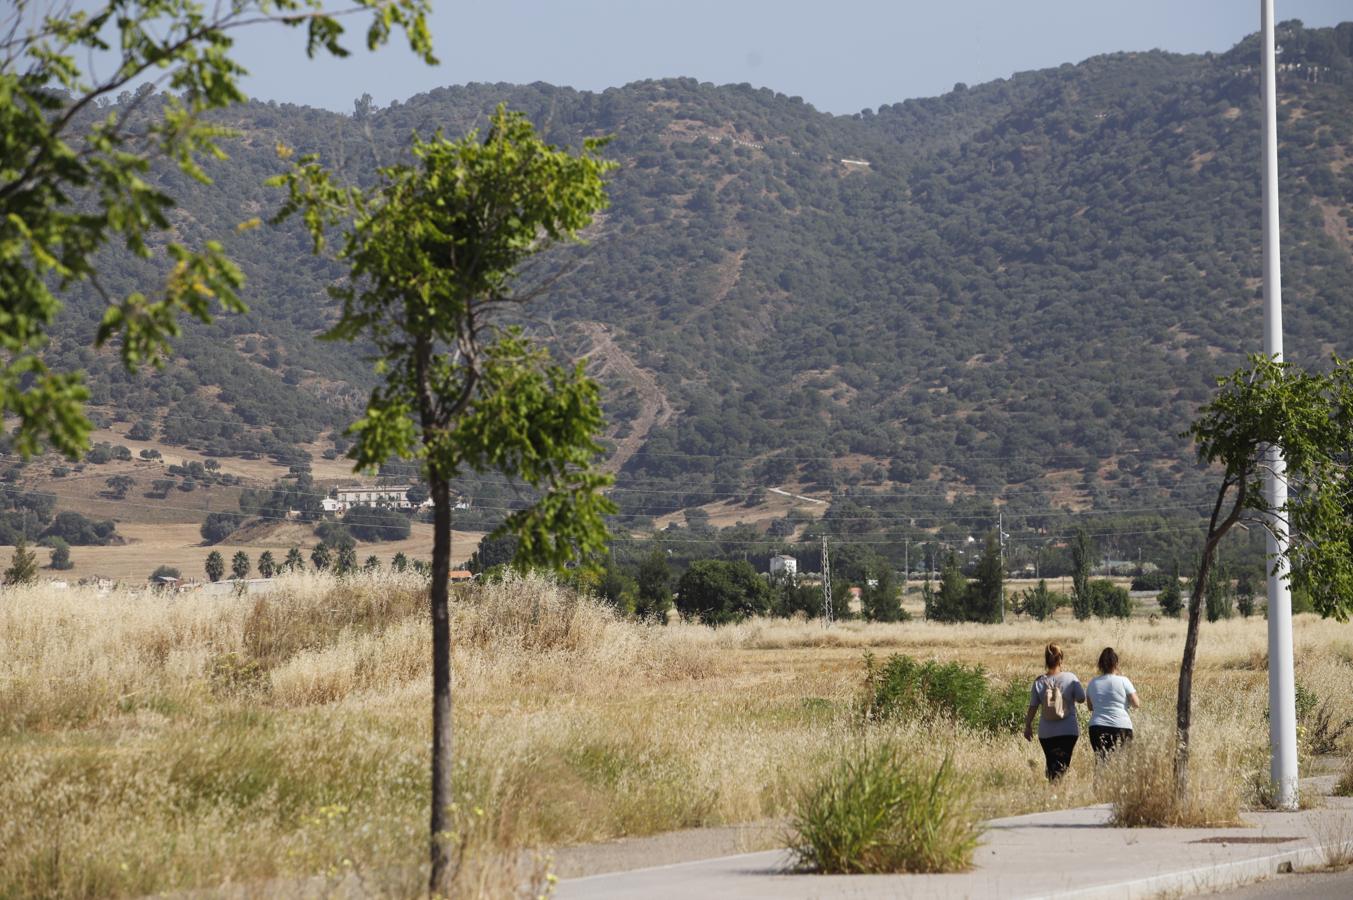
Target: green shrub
[[880, 812], [904, 688]]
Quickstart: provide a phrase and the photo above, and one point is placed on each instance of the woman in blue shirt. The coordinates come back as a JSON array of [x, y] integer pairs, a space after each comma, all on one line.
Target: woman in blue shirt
[[1109, 697]]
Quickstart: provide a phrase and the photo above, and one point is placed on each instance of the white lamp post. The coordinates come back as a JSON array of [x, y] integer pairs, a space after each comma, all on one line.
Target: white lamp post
[[1281, 680]]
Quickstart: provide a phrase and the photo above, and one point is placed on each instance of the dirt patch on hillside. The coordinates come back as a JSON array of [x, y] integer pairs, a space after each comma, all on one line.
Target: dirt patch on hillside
[[606, 358], [1336, 226]]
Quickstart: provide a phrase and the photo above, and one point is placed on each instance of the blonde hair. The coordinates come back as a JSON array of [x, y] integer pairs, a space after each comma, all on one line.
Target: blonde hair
[[1052, 655]]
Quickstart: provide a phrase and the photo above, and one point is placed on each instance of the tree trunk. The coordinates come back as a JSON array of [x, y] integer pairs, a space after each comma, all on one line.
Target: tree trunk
[[1184, 701], [442, 756], [1216, 530]]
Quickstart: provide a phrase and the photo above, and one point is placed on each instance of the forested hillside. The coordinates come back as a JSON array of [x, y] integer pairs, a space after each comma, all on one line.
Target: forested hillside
[[1017, 291]]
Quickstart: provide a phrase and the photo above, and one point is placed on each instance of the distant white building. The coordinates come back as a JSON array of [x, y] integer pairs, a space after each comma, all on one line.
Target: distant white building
[[330, 505], [784, 564], [396, 495]]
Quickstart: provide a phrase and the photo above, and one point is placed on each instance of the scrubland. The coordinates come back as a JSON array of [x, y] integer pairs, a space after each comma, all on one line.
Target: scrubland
[[154, 742]]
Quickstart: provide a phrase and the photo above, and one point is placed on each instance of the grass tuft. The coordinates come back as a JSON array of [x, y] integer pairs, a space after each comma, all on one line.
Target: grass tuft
[[878, 812], [1138, 781]]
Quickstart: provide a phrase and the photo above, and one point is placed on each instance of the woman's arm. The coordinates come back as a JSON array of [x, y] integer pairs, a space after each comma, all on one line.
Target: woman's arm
[[1029, 723], [1133, 701]]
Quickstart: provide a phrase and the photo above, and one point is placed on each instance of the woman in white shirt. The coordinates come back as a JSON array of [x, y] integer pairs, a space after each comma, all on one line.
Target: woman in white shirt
[[1109, 697]]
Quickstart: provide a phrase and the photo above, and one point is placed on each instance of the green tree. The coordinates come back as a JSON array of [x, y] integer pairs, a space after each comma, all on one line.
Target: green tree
[[219, 525], [1039, 602], [983, 603], [719, 591], [118, 485], [1171, 599], [345, 560], [321, 557], [215, 566], [400, 562], [372, 564], [165, 572], [881, 602], [434, 249], [654, 597], [240, 565], [1082, 558], [73, 174], [1109, 600], [60, 555], [1217, 595], [23, 566], [1308, 417], [618, 587], [1245, 594], [267, 566], [950, 602], [493, 550], [294, 561]]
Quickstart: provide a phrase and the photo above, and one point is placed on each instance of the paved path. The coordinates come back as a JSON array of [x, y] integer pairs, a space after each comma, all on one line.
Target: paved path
[[1066, 854], [1301, 886]]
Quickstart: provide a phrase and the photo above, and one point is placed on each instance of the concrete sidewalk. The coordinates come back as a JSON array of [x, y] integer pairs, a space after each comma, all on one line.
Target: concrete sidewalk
[[1068, 853]]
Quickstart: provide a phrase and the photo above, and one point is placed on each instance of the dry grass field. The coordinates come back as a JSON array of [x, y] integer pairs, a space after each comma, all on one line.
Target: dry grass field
[[154, 742], [180, 545]]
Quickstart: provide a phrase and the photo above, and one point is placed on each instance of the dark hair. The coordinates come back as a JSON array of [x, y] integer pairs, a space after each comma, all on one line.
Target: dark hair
[[1108, 661], [1052, 655]]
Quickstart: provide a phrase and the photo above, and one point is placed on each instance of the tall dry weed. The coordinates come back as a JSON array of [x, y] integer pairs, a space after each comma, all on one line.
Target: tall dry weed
[[1138, 781]]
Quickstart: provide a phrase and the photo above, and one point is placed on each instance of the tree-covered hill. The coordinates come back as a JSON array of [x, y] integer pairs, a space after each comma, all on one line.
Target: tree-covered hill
[[1018, 290]]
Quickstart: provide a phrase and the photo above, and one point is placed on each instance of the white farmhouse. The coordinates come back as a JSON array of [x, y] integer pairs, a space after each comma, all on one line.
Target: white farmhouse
[[787, 565], [396, 495]]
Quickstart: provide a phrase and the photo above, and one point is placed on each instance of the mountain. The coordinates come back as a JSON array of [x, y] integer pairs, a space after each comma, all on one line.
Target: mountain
[[1018, 291]]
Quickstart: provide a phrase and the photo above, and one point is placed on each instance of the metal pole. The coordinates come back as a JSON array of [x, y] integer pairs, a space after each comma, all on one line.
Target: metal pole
[[1281, 679], [1000, 540]]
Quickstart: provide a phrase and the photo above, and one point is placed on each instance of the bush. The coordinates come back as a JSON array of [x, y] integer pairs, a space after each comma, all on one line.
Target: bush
[[906, 689], [377, 523], [79, 531], [60, 555], [333, 534], [1139, 784], [878, 812], [1345, 786], [219, 526], [1108, 599], [1152, 581]]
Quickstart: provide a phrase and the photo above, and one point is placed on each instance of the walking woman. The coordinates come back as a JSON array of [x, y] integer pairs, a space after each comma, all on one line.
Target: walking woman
[[1109, 696], [1054, 697]]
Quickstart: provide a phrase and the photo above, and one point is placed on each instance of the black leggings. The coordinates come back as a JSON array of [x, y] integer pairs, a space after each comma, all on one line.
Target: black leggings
[[1057, 752], [1105, 739]]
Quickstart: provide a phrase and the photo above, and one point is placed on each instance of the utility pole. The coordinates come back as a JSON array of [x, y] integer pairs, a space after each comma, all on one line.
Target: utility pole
[[1000, 539], [1282, 700], [826, 584], [906, 567]]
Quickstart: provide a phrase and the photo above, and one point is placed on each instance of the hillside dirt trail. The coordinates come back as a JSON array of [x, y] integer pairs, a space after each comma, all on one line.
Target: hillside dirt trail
[[654, 408]]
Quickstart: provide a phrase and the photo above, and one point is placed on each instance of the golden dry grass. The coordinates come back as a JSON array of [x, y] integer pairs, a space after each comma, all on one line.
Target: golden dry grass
[[151, 742]]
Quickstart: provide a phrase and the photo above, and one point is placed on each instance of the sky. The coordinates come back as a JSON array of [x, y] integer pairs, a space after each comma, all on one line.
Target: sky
[[839, 55]]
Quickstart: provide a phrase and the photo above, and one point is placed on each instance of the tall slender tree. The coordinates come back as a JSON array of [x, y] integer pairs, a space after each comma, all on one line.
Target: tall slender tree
[[435, 249], [1309, 417], [23, 566], [1082, 558]]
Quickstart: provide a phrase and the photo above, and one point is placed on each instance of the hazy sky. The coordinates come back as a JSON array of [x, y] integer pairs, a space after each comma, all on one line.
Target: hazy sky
[[840, 55]]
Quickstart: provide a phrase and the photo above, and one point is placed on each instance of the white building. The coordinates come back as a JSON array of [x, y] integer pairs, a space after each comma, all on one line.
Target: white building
[[784, 564], [396, 495]]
